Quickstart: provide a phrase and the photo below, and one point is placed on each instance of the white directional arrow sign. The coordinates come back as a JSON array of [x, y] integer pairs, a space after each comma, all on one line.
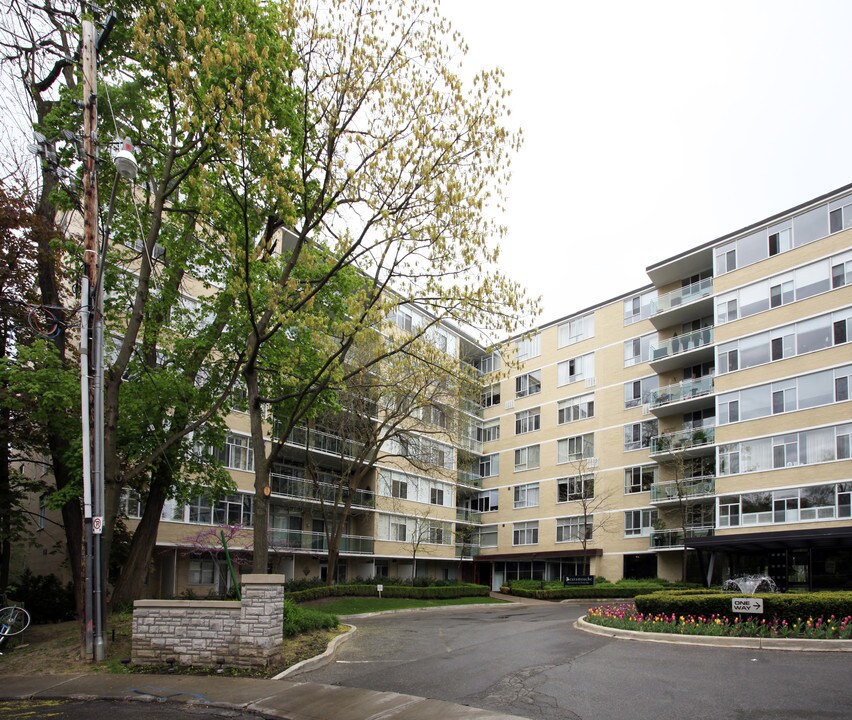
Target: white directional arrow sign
[[747, 605]]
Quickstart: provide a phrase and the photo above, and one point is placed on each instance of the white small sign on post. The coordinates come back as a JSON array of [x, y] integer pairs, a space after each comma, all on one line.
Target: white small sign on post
[[379, 589], [97, 525], [747, 605]]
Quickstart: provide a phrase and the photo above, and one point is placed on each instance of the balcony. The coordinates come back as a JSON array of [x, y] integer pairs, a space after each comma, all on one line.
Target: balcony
[[471, 445], [471, 407], [687, 349], [302, 489], [694, 443], [687, 489], [683, 304], [303, 541], [681, 397], [466, 551], [673, 539], [469, 478], [468, 516], [325, 442]]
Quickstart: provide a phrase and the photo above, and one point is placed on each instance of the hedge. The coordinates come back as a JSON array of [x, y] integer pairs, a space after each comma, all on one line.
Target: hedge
[[586, 592], [784, 606], [391, 591]]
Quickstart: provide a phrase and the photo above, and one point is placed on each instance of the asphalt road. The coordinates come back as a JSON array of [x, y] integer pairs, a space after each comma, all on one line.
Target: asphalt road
[[530, 661], [99, 709]]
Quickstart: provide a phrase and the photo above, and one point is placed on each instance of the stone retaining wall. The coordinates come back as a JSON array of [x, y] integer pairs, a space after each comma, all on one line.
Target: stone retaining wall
[[249, 633]]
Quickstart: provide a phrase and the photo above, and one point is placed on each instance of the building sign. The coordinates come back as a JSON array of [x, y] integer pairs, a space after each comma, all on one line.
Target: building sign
[[579, 580], [747, 605]]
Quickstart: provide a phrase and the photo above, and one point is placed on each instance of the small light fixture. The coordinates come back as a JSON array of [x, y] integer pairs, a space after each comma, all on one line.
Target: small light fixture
[[125, 161]]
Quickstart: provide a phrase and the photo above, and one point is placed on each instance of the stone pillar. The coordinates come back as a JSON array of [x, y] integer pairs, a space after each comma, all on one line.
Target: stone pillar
[[261, 627]]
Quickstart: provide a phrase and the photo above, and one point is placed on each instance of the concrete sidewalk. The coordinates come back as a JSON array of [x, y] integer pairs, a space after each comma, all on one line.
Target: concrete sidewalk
[[274, 698]]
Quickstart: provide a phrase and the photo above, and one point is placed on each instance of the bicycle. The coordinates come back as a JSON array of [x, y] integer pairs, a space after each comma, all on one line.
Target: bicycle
[[13, 621]]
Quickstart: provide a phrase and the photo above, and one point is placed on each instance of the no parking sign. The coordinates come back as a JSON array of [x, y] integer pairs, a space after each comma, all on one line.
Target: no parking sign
[[97, 525]]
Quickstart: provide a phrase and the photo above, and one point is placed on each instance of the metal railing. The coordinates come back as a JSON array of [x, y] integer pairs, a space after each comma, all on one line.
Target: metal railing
[[315, 542], [683, 440], [674, 538], [294, 487], [687, 488], [683, 296], [681, 391], [682, 343], [324, 442]]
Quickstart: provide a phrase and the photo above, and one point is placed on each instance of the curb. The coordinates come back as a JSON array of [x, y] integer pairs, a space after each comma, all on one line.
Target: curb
[[320, 660], [786, 644]]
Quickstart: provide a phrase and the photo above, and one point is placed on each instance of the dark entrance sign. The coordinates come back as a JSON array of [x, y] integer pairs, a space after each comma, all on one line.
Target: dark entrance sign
[[579, 580]]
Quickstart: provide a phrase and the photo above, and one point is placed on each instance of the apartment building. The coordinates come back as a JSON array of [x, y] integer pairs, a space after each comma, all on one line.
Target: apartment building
[[698, 426]]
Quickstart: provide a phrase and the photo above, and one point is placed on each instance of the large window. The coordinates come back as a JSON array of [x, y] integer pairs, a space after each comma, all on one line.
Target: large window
[[525, 533], [799, 338], [575, 449], [639, 478], [638, 435], [491, 395], [787, 505], [528, 384], [488, 432], [638, 350], [487, 536], [575, 528], [577, 408], [489, 465], [526, 495], [528, 347], [639, 522], [575, 330], [527, 458], [201, 510], [527, 421], [639, 307], [236, 453], [576, 369], [487, 501], [638, 392], [578, 487], [234, 510]]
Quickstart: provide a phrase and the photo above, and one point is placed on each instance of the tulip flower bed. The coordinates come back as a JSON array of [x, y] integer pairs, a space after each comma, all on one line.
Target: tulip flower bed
[[626, 617]]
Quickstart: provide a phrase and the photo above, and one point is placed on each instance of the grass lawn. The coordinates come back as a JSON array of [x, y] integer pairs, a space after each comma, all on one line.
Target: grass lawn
[[361, 605]]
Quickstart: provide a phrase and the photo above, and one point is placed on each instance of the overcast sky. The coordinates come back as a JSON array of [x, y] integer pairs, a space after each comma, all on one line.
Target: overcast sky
[[651, 127]]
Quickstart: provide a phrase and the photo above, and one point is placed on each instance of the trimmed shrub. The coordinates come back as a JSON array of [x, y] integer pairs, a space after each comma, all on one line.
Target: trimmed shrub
[[391, 591], [298, 619], [784, 606]]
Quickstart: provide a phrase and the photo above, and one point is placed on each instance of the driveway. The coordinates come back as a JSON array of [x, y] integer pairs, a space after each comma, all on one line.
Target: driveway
[[528, 660]]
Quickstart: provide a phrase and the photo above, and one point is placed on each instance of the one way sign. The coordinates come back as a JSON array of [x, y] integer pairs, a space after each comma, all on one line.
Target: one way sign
[[747, 605]]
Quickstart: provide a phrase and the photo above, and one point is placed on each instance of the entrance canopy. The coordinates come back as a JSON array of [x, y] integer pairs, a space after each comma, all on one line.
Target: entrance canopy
[[834, 538]]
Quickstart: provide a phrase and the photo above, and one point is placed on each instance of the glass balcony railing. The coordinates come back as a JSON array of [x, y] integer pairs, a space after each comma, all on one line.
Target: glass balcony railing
[[682, 343], [469, 478], [315, 542], [470, 444], [300, 488], [683, 296], [471, 407], [674, 538], [466, 551], [683, 440], [679, 392], [685, 489], [468, 516], [325, 442]]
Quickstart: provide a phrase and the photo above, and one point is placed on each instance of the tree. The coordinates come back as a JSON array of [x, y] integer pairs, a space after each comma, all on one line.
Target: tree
[[592, 502], [399, 164], [213, 541]]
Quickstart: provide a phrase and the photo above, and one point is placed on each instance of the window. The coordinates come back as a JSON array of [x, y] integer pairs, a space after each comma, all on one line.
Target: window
[[639, 478], [579, 487], [234, 510], [573, 449], [489, 465], [781, 293], [525, 533], [639, 307], [638, 349], [486, 502], [575, 330], [131, 504], [488, 432], [639, 522], [201, 572], [638, 435], [436, 496], [785, 451], [574, 529], [780, 240], [526, 495], [577, 408], [435, 533], [576, 369], [528, 384], [528, 347], [399, 489], [201, 510], [403, 318], [527, 458], [398, 531], [42, 512], [527, 421], [236, 453], [491, 395], [488, 536], [841, 273], [638, 392]]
